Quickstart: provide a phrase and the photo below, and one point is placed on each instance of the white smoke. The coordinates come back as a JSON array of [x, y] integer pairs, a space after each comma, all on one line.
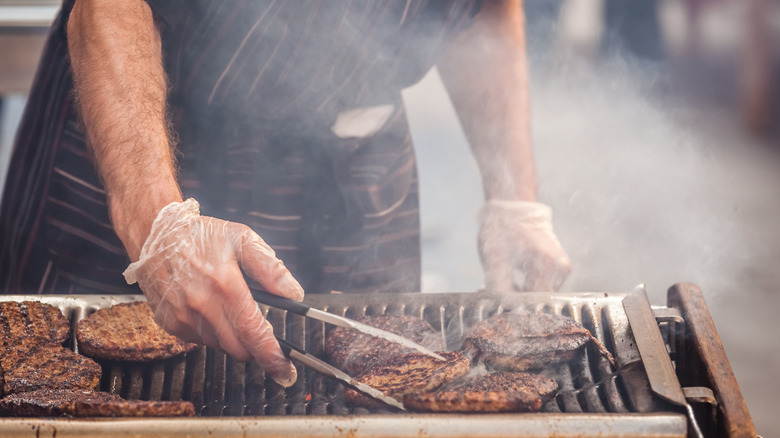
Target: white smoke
[[650, 182]]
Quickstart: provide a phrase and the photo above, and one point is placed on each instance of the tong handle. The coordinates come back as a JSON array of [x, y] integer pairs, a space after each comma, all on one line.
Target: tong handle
[[288, 347], [279, 302]]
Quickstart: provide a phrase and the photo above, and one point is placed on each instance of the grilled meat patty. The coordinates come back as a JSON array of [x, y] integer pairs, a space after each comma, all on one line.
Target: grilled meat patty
[[408, 373], [31, 363], [32, 318], [86, 403], [491, 392], [356, 352], [523, 341], [50, 402], [134, 408], [128, 332]]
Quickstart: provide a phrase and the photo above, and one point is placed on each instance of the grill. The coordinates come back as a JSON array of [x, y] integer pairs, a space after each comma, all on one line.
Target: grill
[[679, 354]]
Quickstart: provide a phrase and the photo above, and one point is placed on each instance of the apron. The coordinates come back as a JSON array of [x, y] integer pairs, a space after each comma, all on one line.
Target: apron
[[289, 120]]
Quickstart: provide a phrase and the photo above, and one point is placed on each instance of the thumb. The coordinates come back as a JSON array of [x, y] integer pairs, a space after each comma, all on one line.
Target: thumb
[[259, 262]]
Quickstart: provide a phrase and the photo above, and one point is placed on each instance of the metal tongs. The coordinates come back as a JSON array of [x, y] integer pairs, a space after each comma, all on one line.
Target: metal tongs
[[309, 312], [294, 352], [326, 369]]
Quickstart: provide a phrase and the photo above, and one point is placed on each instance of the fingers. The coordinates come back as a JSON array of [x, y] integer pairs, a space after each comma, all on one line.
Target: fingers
[[547, 273], [536, 275], [240, 327], [259, 261], [194, 317], [257, 336], [233, 325], [523, 260], [185, 328], [497, 261], [498, 273], [554, 266]]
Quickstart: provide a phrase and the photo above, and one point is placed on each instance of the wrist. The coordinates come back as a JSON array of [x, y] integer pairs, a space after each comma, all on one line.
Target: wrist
[[133, 214], [502, 181], [512, 196], [521, 211]]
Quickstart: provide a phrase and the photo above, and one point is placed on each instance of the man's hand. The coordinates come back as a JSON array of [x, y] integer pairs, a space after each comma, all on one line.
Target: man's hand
[[517, 238], [190, 270]]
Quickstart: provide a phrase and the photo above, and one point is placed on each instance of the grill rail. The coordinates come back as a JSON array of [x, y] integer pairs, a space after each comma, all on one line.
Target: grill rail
[[376, 426]]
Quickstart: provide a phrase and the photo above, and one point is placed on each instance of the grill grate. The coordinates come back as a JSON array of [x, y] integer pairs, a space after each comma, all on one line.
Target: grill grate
[[220, 386], [587, 384]]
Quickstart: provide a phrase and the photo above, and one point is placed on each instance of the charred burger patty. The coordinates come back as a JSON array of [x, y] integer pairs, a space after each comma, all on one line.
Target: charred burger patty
[[31, 363], [409, 373], [32, 318], [522, 341], [490, 392], [355, 352], [128, 332], [87, 403]]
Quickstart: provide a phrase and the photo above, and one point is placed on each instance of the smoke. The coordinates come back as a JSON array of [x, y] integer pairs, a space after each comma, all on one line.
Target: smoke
[[645, 187], [642, 191], [652, 180], [650, 187]]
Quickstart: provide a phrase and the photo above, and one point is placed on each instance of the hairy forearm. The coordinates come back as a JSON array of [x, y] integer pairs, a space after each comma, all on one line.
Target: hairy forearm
[[116, 58], [486, 76]]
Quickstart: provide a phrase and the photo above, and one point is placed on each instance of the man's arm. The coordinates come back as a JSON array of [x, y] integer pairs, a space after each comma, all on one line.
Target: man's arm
[[116, 58], [486, 75], [189, 266]]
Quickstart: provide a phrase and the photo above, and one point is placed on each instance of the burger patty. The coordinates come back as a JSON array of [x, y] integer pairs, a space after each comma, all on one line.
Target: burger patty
[[50, 402], [134, 408], [409, 373], [523, 341], [32, 318], [490, 392], [127, 332], [86, 403], [32, 363], [355, 352]]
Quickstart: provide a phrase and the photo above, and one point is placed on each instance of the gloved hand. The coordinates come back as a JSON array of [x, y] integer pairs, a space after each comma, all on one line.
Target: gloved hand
[[518, 236], [190, 272]]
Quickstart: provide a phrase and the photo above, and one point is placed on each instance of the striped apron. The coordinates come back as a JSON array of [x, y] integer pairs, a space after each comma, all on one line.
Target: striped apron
[[289, 119]]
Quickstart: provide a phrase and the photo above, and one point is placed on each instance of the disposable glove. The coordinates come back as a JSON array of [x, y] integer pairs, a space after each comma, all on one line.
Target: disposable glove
[[190, 271], [516, 239]]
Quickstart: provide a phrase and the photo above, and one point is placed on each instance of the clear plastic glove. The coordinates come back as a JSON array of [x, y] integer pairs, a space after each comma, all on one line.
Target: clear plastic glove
[[518, 248], [190, 271]]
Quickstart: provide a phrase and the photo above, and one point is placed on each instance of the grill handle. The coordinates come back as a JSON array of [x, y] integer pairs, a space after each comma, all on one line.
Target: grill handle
[[705, 362], [659, 368]]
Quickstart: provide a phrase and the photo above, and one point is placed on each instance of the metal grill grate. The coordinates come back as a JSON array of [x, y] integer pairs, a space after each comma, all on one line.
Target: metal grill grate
[[587, 384], [220, 386]]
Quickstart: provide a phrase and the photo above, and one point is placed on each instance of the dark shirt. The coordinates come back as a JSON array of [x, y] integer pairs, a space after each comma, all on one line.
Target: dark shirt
[[255, 89]]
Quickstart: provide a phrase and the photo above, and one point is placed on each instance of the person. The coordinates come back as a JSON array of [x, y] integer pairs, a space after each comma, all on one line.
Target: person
[[174, 134]]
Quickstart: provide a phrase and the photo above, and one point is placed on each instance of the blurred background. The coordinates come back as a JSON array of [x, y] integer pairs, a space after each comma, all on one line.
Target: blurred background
[[656, 126]]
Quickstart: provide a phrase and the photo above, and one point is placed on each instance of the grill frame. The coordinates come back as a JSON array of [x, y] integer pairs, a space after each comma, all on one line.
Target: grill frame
[[651, 417]]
